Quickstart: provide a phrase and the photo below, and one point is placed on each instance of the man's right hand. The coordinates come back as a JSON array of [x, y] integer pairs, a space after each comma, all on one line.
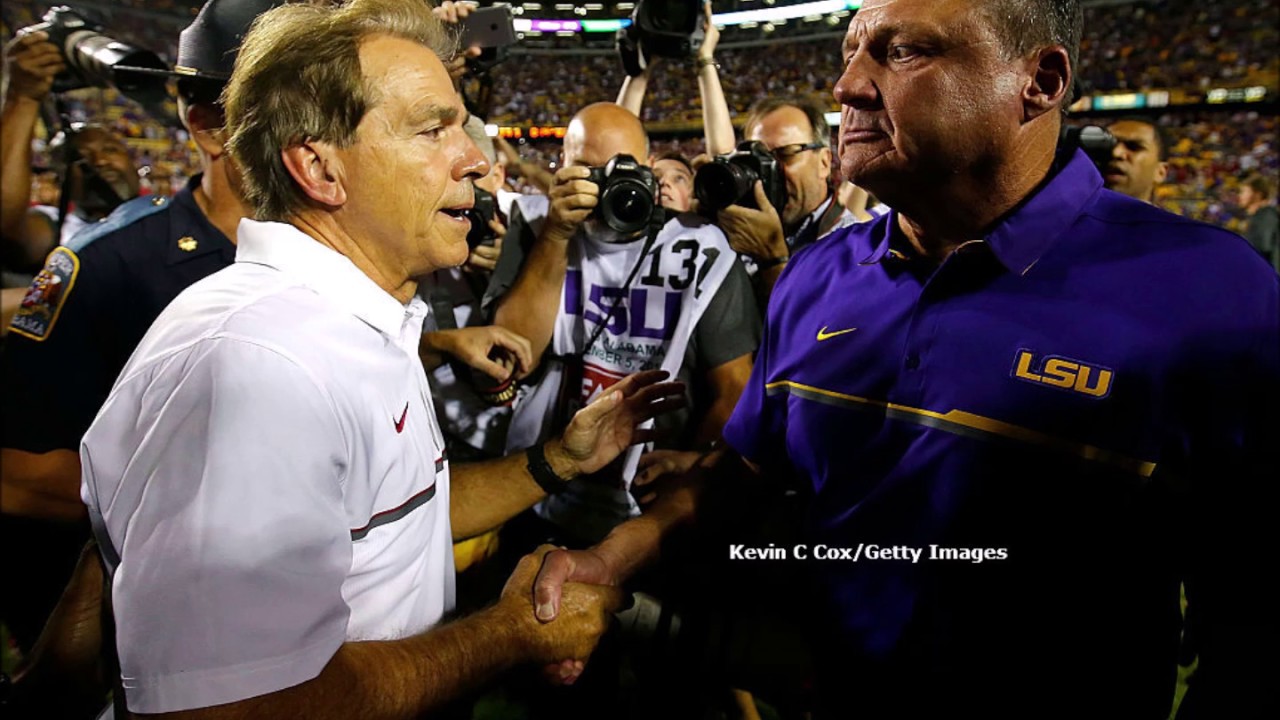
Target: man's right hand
[[584, 613], [33, 62], [573, 198]]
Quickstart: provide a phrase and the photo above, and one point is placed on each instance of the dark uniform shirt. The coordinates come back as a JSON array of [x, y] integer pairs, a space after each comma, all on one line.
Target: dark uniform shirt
[[78, 324], [1035, 416], [91, 305]]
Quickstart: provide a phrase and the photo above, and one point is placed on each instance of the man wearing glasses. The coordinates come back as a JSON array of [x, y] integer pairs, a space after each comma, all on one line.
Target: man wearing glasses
[[796, 132]]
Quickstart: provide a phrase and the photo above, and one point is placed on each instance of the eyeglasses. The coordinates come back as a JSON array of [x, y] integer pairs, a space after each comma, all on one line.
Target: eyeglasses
[[783, 153]]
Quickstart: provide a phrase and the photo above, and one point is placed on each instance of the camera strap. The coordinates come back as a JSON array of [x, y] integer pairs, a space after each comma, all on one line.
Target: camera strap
[[573, 362]]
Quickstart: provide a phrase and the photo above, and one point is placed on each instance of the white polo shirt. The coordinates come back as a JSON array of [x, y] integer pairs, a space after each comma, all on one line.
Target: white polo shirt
[[267, 478]]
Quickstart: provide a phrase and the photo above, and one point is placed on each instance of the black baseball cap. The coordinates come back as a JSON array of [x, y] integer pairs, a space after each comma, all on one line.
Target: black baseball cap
[[207, 47]]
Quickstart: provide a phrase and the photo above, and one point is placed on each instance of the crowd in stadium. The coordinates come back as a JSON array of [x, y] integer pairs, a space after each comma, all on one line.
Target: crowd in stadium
[[978, 381]]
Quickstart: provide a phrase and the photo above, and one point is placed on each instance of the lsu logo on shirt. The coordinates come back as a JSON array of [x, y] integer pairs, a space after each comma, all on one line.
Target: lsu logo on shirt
[[1064, 373]]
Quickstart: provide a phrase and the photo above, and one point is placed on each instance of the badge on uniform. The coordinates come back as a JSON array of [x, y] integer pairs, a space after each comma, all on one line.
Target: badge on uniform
[[43, 301]]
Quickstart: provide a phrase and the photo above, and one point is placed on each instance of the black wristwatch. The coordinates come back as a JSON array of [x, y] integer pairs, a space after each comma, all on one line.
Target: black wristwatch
[[542, 472]]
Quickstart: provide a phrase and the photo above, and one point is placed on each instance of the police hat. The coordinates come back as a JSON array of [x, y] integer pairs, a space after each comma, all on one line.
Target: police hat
[[207, 47]]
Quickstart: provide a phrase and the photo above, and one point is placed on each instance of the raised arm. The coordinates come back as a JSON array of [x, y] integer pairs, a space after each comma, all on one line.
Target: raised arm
[[716, 123], [32, 62]]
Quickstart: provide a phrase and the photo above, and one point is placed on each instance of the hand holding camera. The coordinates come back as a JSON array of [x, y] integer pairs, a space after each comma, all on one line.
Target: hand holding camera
[[33, 63], [573, 198]]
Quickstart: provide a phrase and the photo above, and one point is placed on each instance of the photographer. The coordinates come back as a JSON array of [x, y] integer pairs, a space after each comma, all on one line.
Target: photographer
[[28, 233], [633, 301], [795, 132]]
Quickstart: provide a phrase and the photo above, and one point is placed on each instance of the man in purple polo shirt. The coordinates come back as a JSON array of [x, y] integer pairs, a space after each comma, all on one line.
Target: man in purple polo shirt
[[1006, 399]]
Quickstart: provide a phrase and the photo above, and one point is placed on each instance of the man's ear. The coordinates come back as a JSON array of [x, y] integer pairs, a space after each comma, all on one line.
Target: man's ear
[[317, 169], [1050, 84], [206, 125], [824, 162], [1162, 172]]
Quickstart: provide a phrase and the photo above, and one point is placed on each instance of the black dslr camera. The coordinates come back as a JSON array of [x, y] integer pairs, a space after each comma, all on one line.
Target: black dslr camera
[[628, 195], [729, 179], [484, 209], [95, 60]]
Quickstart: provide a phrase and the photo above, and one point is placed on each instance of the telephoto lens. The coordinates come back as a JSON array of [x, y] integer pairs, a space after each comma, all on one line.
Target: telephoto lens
[[730, 179]]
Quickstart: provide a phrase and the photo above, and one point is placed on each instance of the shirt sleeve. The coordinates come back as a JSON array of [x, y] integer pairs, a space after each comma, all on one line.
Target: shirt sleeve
[[57, 352], [214, 481], [730, 326]]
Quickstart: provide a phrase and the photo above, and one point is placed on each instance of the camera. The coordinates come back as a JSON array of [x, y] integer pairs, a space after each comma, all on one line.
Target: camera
[[484, 209], [729, 179], [1096, 142], [628, 195], [660, 28], [95, 60]]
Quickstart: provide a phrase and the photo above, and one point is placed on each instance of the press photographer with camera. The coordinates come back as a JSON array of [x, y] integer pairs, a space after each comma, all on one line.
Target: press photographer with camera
[[643, 289], [101, 173], [792, 203]]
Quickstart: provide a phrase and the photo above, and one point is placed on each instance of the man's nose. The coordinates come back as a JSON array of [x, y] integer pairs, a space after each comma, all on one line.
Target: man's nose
[[855, 86]]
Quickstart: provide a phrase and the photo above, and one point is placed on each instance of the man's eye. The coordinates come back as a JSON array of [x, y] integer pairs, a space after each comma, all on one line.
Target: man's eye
[[901, 53]]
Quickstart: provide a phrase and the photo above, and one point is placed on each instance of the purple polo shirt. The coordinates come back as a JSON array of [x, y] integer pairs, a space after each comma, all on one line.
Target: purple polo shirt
[[1085, 388]]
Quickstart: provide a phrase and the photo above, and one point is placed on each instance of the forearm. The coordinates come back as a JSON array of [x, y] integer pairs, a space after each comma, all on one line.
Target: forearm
[[41, 484], [17, 124], [717, 125], [486, 494], [631, 95], [637, 543], [392, 679], [530, 307]]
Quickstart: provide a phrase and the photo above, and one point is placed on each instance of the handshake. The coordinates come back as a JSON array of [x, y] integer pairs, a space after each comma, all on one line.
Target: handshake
[[557, 621]]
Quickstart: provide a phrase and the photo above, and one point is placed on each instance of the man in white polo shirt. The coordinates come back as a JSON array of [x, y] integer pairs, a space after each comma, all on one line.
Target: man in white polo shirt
[[267, 479]]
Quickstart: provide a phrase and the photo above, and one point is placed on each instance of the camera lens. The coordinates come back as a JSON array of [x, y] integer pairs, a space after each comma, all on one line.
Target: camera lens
[[722, 183], [627, 206]]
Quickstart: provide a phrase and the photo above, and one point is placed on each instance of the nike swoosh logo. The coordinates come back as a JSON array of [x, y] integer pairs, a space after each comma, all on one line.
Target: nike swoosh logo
[[824, 335], [403, 415]]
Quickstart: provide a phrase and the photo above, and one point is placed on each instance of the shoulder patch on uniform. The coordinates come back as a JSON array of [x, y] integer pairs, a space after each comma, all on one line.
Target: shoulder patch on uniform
[[127, 214], [44, 299]]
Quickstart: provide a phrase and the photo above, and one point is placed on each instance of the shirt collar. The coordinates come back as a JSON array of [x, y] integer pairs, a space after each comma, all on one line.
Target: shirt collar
[[812, 218], [332, 275], [1022, 237]]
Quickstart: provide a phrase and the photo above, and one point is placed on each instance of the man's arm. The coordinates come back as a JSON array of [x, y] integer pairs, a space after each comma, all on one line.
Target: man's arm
[[486, 494], [717, 125], [41, 485], [407, 678], [530, 307], [726, 382], [32, 63], [631, 95]]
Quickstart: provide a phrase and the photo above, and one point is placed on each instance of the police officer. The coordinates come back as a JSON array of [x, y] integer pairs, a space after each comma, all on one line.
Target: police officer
[[88, 308]]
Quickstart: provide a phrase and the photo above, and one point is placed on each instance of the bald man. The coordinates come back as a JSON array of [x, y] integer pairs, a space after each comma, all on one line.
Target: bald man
[[670, 298]]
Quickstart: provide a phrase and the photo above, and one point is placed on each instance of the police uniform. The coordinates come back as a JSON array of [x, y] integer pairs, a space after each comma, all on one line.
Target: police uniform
[[77, 326]]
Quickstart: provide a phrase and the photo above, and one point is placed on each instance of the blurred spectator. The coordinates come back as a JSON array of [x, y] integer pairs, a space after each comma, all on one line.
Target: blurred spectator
[[1137, 162], [1263, 227]]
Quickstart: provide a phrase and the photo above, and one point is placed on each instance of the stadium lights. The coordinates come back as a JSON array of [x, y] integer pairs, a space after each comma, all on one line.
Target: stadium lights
[[747, 19]]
